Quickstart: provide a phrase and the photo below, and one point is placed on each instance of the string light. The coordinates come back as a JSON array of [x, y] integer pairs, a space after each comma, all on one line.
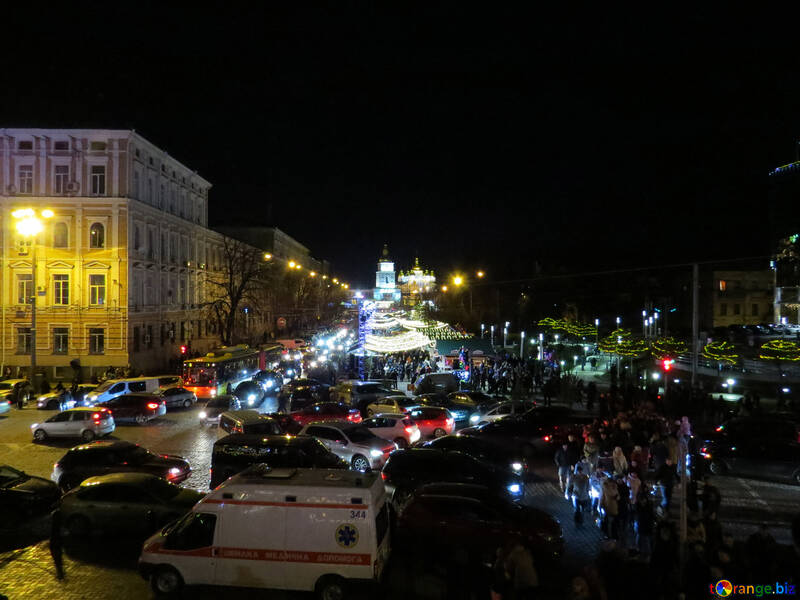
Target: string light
[[780, 350], [721, 352]]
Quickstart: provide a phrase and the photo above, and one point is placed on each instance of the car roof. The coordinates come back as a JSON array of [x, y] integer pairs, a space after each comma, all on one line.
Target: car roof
[[390, 415], [105, 444], [247, 416], [253, 439], [82, 409], [125, 478]]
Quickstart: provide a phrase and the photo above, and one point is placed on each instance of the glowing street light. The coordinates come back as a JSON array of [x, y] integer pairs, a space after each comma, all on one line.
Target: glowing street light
[[444, 288], [480, 274], [267, 256], [292, 264], [458, 280], [312, 274]]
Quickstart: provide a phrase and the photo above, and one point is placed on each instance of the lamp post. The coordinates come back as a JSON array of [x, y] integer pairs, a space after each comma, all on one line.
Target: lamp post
[[541, 346], [29, 225], [492, 336], [597, 332], [522, 346], [482, 328], [505, 336]]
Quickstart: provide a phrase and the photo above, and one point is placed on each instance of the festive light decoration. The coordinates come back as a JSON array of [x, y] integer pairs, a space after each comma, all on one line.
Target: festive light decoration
[[402, 342], [620, 343], [780, 351], [667, 347], [721, 352], [575, 329]]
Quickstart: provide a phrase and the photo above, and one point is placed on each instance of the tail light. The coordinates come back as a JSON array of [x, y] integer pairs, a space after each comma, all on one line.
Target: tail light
[[384, 476], [449, 421], [152, 405], [547, 438]]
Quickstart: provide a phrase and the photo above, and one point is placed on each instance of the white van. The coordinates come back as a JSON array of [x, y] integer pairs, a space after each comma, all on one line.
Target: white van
[[293, 529], [117, 387]]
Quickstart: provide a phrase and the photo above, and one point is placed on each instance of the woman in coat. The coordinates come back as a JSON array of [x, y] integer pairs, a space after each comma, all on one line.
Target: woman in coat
[[620, 462]]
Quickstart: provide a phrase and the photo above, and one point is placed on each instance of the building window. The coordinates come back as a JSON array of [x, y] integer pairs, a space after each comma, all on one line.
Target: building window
[[23, 340], [61, 289], [723, 310], [148, 338], [137, 237], [164, 248], [97, 340], [25, 145], [754, 310], [60, 179], [24, 288], [62, 145], [723, 285], [60, 340], [25, 179], [135, 339], [737, 309], [98, 180], [97, 289], [97, 236], [97, 146], [60, 235], [136, 185]]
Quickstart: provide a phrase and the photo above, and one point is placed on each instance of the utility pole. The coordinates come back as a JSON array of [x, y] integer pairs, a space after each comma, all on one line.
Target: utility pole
[[695, 318]]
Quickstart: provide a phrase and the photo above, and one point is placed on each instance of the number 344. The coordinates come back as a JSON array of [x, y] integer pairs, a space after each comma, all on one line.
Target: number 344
[[358, 514]]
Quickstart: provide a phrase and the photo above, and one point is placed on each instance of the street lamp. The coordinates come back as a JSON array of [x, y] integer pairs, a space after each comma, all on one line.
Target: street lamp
[[505, 336], [29, 225], [482, 328], [492, 336], [541, 346], [522, 345]]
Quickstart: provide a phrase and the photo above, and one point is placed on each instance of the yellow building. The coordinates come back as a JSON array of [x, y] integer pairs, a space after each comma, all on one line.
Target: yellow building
[[416, 284], [121, 263]]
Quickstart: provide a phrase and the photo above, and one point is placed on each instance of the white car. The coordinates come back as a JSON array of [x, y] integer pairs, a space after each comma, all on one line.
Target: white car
[[354, 443], [495, 412], [399, 429], [396, 405], [84, 423]]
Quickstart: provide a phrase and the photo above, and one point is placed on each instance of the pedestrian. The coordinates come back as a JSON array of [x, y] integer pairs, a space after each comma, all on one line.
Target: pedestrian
[[562, 463], [609, 502], [711, 498], [17, 396], [521, 571], [591, 450], [666, 477], [620, 462], [645, 524], [580, 494], [56, 548]]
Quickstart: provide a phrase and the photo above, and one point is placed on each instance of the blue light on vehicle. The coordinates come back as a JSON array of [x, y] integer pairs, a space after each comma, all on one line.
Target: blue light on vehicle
[[269, 383], [474, 418], [290, 371], [514, 488]]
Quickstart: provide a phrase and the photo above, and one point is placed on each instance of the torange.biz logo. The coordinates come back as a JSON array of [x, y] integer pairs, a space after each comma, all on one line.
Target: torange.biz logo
[[724, 588]]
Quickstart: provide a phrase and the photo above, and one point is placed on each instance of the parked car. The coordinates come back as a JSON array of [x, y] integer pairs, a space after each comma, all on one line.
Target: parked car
[[84, 423], [433, 421], [248, 421], [391, 404], [140, 408], [215, 407], [249, 393], [406, 470], [270, 381], [10, 389], [124, 503], [234, 453], [775, 426], [460, 407], [436, 383], [326, 411], [496, 411], [497, 456], [360, 394], [356, 444], [106, 456], [473, 518], [170, 381], [55, 400], [399, 429], [24, 496], [774, 459], [5, 406], [300, 393], [178, 396], [288, 425]]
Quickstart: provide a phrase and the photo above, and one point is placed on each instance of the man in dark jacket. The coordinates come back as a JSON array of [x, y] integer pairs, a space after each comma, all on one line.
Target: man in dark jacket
[[667, 475], [561, 459]]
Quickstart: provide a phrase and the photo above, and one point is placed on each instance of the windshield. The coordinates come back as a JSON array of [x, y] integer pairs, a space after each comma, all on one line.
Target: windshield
[[103, 387], [162, 490], [9, 475], [5, 386], [200, 375], [136, 455], [359, 434]]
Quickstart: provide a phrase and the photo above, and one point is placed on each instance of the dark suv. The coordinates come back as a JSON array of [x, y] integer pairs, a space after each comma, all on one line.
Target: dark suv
[[103, 457], [234, 453]]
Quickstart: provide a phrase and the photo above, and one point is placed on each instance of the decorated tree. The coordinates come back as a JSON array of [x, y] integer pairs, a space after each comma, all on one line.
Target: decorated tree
[[667, 347], [721, 352], [779, 352]]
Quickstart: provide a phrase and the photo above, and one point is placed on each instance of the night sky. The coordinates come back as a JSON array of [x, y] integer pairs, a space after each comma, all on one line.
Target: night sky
[[489, 140]]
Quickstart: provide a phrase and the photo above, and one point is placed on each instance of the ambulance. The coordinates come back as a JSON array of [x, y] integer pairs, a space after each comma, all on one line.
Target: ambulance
[[320, 530]]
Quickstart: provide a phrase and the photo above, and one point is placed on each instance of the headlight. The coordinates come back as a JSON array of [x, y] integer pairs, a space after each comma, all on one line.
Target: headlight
[[269, 383], [516, 466], [34, 426], [514, 488], [251, 399], [202, 414], [376, 453], [214, 392], [290, 371], [92, 398], [474, 418], [174, 471]]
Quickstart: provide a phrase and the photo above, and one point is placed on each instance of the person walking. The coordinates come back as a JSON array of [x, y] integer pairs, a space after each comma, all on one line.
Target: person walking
[[580, 494], [620, 462], [561, 459], [56, 547], [609, 502]]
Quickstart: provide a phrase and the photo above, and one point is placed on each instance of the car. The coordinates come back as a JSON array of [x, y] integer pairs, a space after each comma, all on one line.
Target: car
[[5, 406], [11, 389], [270, 381], [249, 393], [234, 453], [24, 496], [300, 393], [459, 406], [83, 393], [216, 406], [398, 428], [408, 469], [497, 456], [170, 381], [437, 383], [288, 425], [326, 411], [248, 421], [288, 369], [763, 458], [361, 448], [497, 411], [84, 423], [177, 397], [107, 456], [55, 400], [124, 503], [776, 426], [360, 394], [432, 421], [472, 518], [391, 404], [138, 407]]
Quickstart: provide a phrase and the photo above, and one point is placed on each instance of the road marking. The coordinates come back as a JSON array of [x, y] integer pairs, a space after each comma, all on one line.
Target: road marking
[[752, 492]]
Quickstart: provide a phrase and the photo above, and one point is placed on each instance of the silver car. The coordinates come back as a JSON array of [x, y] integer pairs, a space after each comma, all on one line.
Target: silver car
[[354, 443], [177, 396], [84, 423]]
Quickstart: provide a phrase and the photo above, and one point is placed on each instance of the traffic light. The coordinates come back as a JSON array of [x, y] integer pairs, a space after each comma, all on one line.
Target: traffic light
[[183, 349], [667, 364]]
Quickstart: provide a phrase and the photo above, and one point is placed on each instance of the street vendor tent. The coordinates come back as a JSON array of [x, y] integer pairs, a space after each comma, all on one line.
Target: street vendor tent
[[474, 345]]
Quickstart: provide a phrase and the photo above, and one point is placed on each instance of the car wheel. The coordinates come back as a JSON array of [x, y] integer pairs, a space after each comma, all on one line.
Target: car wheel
[[166, 581], [360, 463], [402, 443], [141, 419], [87, 435], [78, 526], [717, 468], [187, 403], [40, 435], [439, 432], [330, 587]]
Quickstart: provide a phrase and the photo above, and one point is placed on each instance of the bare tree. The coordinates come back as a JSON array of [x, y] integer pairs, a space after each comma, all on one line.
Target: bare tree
[[236, 287]]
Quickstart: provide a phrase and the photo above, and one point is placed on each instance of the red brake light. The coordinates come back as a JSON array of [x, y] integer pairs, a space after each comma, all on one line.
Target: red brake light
[[547, 438], [96, 416], [720, 428], [152, 405], [384, 477]]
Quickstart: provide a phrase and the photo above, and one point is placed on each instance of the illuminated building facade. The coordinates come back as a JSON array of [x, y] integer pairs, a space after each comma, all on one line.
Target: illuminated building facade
[[385, 283], [416, 283], [120, 267]]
